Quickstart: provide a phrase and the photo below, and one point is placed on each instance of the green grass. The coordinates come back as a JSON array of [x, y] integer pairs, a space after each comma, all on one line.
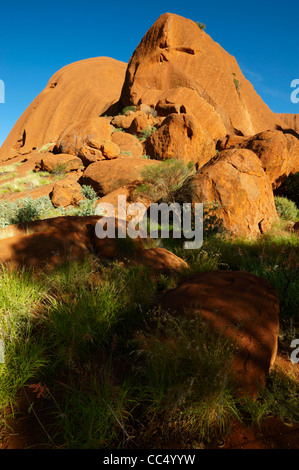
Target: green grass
[[119, 373], [31, 181]]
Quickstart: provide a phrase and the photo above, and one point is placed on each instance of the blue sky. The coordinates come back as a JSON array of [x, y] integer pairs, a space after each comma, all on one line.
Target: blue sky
[[37, 38]]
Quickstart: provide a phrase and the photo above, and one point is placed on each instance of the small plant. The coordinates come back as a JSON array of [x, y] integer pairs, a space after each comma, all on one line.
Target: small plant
[[128, 153], [237, 83], [201, 26], [60, 169], [289, 188], [117, 129], [89, 193], [162, 182], [128, 108], [286, 209], [146, 133], [45, 147]]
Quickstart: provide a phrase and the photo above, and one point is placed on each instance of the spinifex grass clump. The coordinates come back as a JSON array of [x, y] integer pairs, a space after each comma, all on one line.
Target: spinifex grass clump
[[20, 297], [286, 209], [162, 182], [187, 384]]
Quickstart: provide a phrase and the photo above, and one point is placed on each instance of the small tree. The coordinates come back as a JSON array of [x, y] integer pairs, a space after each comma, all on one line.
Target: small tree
[[201, 26]]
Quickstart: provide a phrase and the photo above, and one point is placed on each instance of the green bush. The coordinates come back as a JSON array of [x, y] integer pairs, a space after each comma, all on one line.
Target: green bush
[[162, 182], [89, 193], [290, 188], [286, 209], [128, 108], [201, 26], [146, 133]]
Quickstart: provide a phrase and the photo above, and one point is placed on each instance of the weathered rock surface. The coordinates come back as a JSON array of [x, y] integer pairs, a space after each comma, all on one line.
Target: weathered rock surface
[[84, 136], [241, 306], [78, 91], [67, 192], [128, 143], [278, 152], [236, 180], [181, 137], [291, 121], [109, 175], [176, 53], [62, 162]]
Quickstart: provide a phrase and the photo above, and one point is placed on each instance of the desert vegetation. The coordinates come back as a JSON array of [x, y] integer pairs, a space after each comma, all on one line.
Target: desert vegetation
[[137, 342]]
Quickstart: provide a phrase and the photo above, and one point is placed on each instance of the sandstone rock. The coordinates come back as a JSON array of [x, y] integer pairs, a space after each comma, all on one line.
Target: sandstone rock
[[90, 155], [77, 92], [128, 143], [290, 121], [141, 122], [66, 192], [107, 176], [110, 150], [127, 193], [53, 241], [42, 249], [116, 247], [236, 180], [176, 53], [278, 152], [161, 261], [239, 305], [181, 137], [187, 101], [84, 136], [134, 122], [64, 162]]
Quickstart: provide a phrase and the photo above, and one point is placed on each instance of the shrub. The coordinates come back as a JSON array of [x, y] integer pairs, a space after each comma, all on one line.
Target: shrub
[[286, 209], [201, 26], [162, 182], [289, 188], [146, 133], [187, 384], [128, 108], [89, 193]]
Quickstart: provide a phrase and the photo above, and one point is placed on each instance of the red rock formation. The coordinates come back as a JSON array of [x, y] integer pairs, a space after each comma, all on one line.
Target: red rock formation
[[235, 179], [78, 91], [176, 53], [291, 121], [278, 152], [241, 306]]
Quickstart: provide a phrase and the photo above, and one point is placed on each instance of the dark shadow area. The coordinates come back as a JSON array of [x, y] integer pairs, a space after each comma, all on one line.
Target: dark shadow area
[[288, 131]]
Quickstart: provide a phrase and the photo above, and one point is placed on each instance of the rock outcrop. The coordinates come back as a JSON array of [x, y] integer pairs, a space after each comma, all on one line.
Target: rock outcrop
[[107, 176], [291, 121], [176, 53], [78, 91], [278, 152], [242, 307], [236, 181], [181, 137]]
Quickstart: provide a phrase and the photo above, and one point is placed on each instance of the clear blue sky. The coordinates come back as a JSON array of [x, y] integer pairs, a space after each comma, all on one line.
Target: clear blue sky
[[37, 38]]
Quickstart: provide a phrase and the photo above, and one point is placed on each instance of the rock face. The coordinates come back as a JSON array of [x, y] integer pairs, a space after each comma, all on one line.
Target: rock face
[[181, 137], [107, 176], [67, 192], [84, 137], [236, 180], [128, 144], [241, 306], [176, 53], [64, 162], [278, 152], [291, 121], [78, 91]]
